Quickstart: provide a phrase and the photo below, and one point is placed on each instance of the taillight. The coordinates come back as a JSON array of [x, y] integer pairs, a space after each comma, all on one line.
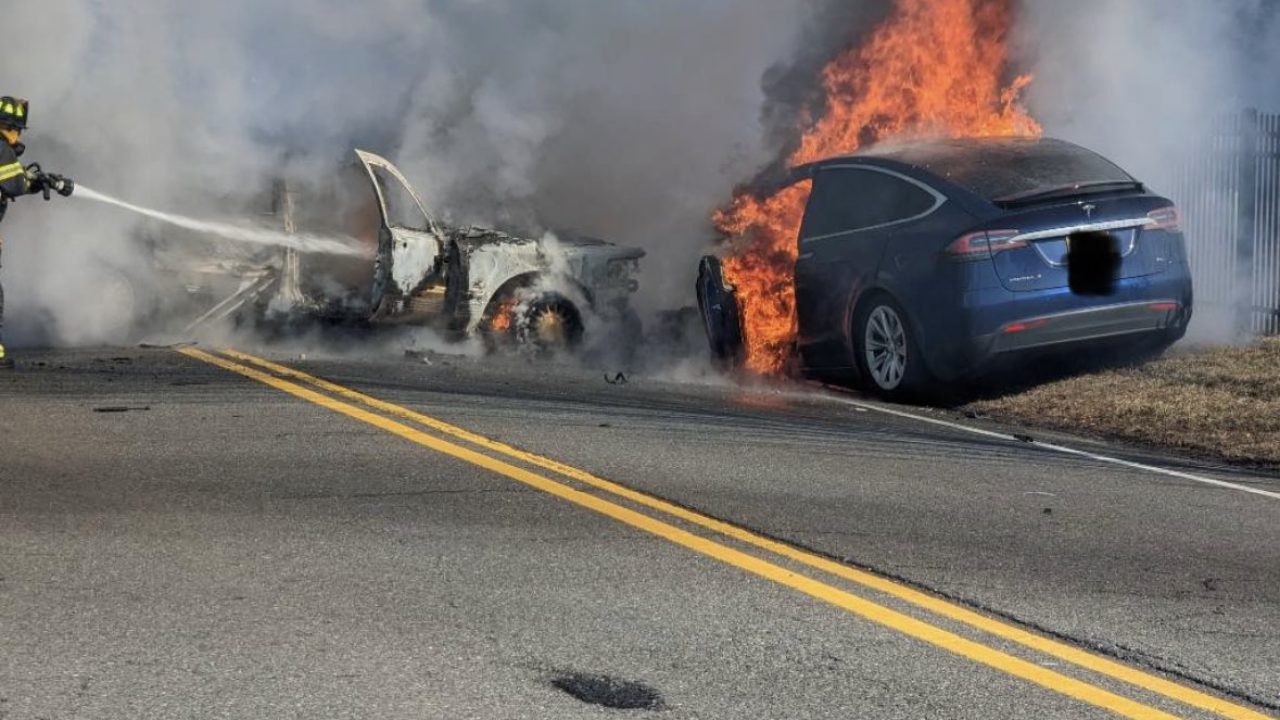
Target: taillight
[[1166, 218], [979, 245]]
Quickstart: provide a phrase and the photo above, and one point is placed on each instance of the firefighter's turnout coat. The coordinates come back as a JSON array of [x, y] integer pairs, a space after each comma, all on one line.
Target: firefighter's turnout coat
[[13, 177]]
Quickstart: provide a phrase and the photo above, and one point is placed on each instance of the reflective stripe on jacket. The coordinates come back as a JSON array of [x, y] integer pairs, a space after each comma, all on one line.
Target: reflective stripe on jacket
[[13, 176]]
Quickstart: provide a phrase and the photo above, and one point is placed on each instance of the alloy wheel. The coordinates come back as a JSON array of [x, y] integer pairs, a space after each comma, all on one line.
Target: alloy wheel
[[886, 347]]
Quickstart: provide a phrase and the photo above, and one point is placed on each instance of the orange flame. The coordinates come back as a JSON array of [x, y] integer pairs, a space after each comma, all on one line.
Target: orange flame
[[933, 69], [504, 316]]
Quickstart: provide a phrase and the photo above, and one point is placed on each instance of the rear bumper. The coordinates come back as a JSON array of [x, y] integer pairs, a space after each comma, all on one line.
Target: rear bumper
[[993, 324], [1096, 323]]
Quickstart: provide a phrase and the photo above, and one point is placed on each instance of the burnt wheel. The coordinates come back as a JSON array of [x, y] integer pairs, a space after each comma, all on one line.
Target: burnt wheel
[[550, 322]]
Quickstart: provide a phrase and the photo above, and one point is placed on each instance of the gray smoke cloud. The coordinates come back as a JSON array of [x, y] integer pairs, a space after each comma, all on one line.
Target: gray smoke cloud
[[628, 120], [1145, 82], [1142, 81]]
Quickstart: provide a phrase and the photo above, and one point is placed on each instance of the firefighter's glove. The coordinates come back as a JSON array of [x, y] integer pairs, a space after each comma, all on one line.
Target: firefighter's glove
[[38, 181]]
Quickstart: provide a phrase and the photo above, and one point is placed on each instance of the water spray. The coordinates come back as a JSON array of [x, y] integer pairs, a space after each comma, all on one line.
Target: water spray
[[301, 242]]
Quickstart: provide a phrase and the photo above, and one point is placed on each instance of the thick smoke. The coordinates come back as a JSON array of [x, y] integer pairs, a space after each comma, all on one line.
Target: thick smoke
[[793, 88], [1145, 82], [628, 120], [1142, 81], [623, 120]]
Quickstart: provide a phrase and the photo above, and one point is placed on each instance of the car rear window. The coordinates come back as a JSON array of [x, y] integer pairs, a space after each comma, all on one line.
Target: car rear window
[[1006, 169]]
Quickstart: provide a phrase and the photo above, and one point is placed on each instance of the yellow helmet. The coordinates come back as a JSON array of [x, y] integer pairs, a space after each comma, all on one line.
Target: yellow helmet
[[14, 113]]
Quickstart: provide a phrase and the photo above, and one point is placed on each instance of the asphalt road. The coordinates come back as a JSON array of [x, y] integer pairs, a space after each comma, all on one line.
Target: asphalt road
[[183, 539]]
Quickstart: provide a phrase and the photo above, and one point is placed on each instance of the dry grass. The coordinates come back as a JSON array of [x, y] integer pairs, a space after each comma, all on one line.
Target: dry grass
[[1223, 402]]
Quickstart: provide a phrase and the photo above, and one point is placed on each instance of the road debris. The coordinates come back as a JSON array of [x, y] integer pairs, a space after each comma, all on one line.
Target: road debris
[[619, 379], [121, 409], [422, 356]]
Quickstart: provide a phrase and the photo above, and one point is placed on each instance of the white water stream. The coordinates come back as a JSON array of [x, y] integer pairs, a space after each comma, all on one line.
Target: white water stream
[[240, 233]]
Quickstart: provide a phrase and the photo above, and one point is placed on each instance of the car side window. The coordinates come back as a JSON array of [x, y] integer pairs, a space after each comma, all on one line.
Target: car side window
[[850, 199]]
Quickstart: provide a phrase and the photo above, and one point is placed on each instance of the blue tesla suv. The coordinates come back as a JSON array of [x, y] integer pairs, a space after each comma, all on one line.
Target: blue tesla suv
[[923, 264]]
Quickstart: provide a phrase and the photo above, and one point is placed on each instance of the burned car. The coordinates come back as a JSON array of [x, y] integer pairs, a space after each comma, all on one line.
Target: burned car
[[923, 264], [464, 280], [460, 281]]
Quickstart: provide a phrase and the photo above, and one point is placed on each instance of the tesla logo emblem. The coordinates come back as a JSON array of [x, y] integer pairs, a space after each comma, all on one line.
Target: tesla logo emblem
[[1088, 210]]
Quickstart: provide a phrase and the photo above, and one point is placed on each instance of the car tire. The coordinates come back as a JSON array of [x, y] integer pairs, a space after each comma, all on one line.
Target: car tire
[[890, 364], [550, 323]]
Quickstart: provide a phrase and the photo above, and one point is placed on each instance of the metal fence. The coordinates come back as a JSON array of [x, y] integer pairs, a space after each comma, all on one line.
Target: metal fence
[[1229, 192]]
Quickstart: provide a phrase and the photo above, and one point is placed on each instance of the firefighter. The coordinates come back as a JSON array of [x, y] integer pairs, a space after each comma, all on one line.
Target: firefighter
[[17, 180]]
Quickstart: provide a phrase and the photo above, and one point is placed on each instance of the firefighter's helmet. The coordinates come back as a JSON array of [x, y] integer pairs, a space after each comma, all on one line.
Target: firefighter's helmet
[[13, 113]]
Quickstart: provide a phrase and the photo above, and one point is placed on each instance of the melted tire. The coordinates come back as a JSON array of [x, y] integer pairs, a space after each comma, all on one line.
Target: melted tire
[[551, 308]]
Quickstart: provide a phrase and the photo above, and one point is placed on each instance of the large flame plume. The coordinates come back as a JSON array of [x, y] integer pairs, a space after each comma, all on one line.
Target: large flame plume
[[934, 68]]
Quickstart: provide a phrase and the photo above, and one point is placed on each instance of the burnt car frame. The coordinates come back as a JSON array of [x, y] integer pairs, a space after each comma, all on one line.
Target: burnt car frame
[[458, 279], [420, 271], [924, 264]]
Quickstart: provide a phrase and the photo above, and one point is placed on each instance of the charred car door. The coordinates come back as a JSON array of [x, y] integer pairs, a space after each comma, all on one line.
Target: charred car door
[[720, 315], [411, 244], [852, 213]]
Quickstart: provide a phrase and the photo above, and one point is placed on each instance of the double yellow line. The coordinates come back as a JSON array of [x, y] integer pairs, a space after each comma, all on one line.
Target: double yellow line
[[380, 414]]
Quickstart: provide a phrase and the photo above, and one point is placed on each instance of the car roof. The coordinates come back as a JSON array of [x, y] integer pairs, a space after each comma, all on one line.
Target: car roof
[[928, 160], [989, 169], [924, 153]]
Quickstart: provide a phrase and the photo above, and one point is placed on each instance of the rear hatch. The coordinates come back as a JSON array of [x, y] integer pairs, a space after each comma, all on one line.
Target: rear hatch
[[1037, 255]]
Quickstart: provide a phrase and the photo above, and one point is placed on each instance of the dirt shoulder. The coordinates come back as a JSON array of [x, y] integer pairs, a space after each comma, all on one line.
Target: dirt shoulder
[[1221, 402]]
